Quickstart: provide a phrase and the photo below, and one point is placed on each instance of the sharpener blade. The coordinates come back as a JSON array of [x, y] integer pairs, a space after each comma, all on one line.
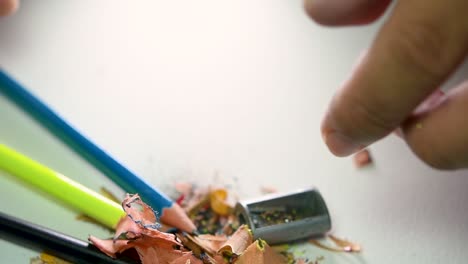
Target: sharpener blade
[[281, 218]]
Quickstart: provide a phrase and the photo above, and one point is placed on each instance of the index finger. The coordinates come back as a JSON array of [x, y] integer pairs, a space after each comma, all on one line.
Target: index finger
[[414, 52]]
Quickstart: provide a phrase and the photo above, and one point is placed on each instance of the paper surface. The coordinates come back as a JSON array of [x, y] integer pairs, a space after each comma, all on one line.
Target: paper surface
[[180, 91]]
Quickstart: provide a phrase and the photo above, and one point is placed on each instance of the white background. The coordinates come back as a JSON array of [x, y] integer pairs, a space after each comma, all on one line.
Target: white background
[[186, 90]]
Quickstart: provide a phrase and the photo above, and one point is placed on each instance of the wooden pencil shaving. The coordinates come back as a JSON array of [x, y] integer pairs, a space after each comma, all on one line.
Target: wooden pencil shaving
[[237, 243], [346, 245], [339, 245], [218, 202], [260, 252], [136, 231], [139, 231], [211, 210], [362, 158], [222, 239], [268, 189], [209, 243]]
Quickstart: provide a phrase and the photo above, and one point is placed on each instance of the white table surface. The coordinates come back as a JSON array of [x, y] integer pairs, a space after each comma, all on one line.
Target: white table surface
[[185, 90]]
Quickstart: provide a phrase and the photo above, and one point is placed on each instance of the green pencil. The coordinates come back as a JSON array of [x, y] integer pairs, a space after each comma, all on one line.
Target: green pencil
[[76, 195]]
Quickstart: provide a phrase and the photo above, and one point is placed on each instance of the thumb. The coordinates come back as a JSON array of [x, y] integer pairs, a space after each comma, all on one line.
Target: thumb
[[415, 51]]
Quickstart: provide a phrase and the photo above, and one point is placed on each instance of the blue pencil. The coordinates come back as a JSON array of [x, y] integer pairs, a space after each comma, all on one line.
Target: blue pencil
[[169, 212]]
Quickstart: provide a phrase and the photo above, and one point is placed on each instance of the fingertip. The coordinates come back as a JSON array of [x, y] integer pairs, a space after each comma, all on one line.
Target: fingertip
[[8, 7], [315, 12], [338, 144], [350, 12], [323, 12]]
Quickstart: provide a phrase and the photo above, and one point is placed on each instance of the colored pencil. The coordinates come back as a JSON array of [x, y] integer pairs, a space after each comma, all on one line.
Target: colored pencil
[[26, 234], [65, 189], [169, 212]]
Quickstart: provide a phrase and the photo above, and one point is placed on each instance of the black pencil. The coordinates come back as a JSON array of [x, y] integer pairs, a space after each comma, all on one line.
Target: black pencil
[[68, 248]]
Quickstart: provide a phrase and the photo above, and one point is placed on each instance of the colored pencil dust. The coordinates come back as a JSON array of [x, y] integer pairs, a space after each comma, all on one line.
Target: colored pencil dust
[[274, 215], [287, 217], [138, 231]]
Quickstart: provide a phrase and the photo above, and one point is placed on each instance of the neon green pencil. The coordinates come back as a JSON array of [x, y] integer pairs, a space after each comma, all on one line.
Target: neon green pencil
[[78, 196]]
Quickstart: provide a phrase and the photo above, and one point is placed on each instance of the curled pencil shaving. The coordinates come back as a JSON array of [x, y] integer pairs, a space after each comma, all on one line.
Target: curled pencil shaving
[[203, 249], [347, 246], [341, 245], [362, 158], [210, 243], [219, 244], [214, 241], [260, 252], [241, 248], [138, 232], [140, 212], [238, 242], [218, 201]]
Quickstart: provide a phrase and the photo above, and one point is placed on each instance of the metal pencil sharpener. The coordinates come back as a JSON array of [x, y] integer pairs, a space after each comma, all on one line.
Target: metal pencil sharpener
[[281, 218]]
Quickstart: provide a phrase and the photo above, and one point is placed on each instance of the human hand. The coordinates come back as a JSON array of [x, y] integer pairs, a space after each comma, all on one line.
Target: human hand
[[394, 86], [8, 7]]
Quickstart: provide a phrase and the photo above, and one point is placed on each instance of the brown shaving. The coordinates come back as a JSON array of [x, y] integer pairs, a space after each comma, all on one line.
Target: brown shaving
[[362, 158], [260, 252], [237, 243], [230, 244], [139, 231], [341, 245]]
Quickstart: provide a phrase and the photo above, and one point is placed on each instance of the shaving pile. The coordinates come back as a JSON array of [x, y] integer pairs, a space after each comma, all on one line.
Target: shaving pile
[[223, 240]]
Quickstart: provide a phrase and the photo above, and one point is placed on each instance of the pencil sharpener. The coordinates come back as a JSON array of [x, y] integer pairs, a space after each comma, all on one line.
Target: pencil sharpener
[[286, 217]]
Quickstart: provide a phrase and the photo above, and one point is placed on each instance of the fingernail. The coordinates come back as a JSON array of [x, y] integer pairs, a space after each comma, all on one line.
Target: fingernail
[[333, 8], [340, 145], [326, 11], [330, 4]]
